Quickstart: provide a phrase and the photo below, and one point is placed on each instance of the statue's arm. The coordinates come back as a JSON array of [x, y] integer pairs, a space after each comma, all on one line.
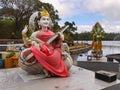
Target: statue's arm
[[26, 39], [33, 37]]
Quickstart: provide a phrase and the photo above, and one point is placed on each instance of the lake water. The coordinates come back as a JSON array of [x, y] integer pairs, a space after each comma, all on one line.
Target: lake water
[[109, 47]]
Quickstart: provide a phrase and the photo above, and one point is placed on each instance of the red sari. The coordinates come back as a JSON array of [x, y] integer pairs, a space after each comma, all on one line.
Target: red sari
[[50, 59]]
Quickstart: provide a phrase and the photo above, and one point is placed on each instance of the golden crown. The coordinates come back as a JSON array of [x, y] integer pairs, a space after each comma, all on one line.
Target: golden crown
[[44, 12]]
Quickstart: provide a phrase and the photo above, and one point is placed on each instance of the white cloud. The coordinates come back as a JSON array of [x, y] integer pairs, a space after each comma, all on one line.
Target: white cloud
[[107, 28], [113, 28], [108, 8], [65, 7], [83, 28]]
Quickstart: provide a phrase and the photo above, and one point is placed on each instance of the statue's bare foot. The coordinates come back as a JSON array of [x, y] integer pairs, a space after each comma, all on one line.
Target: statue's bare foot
[[47, 73]]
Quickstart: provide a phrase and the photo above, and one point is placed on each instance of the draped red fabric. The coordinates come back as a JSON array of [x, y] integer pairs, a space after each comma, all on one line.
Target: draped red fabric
[[50, 59], [44, 35]]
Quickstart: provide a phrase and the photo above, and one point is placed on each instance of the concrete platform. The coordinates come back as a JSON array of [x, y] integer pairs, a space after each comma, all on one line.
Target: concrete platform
[[97, 64], [80, 79]]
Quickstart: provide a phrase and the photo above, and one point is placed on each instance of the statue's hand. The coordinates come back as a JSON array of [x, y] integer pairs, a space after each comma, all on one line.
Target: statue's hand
[[61, 35], [24, 31]]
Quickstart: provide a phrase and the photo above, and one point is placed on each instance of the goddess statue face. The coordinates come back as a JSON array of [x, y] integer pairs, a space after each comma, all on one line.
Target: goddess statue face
[[44, 21]]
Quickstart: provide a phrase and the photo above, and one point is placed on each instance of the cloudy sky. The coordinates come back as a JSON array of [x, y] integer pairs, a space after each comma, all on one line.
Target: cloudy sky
[[85, 13]]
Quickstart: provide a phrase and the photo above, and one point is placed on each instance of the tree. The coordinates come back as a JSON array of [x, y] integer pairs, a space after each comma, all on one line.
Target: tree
[[22, 9], [69, 34]]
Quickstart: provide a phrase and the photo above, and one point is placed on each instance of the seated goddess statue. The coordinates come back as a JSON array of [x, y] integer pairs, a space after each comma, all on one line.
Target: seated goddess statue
[[39, 56]]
